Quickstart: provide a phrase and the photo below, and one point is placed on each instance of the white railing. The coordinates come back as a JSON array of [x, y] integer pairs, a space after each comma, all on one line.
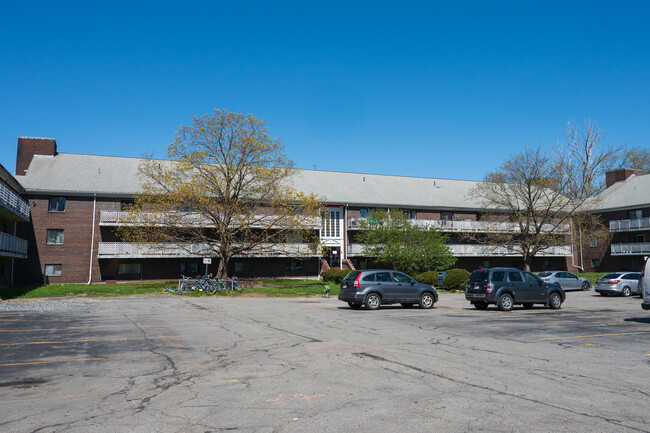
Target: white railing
[[636, 248], [11, 246], [629, 225], [471, 226], [464, 250], [160, 250], [190, 219], [13, 202]]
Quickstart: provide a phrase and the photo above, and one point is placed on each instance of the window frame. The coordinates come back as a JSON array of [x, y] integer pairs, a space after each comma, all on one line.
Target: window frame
[[47, 237], [52, 268], [59, 200]]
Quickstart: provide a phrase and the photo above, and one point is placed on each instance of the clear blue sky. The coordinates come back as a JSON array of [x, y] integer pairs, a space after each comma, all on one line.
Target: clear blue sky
[[436, 89]]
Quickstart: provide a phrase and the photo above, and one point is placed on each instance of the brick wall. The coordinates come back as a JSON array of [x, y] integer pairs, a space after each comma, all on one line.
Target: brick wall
[[30, 146]]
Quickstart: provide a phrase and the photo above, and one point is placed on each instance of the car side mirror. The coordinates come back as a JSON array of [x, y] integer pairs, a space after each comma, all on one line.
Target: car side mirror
[[412, 283]]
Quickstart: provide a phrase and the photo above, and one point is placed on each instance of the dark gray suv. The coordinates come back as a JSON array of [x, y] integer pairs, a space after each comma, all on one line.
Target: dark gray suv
[[506, 287], [375, 287]]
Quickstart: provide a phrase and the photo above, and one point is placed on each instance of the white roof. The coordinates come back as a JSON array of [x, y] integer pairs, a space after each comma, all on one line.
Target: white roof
[[631, 193], [76, 174]]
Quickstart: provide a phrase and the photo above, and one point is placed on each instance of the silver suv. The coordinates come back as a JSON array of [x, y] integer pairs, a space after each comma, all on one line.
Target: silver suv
[[644, 285], [375, 287]]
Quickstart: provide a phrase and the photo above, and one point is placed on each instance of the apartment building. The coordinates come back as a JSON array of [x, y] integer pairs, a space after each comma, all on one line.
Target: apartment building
[[13, 210], [77, 201], [625, 209]]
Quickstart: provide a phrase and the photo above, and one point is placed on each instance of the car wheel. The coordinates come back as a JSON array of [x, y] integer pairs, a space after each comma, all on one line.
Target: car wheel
[[528, 305], [505, 302], [555, 301], [479, 305], [373, 301], [407, 305], [427, 300], [585, 286], [626, 291], [355, 305]]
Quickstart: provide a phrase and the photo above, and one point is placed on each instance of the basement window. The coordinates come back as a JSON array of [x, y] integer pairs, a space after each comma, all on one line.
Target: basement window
[[130, 268], [53, 270]]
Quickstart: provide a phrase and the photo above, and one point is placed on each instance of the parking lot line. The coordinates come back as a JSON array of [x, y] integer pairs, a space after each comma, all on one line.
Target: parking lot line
[[89, 340], [107, 358], [595, 335], [79, 327]]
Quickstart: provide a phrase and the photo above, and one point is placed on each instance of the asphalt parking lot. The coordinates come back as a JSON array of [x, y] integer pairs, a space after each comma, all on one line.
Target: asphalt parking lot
[[178, 364]]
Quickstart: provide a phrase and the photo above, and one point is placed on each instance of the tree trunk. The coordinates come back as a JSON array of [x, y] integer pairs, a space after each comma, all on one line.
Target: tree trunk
[[222, 269]]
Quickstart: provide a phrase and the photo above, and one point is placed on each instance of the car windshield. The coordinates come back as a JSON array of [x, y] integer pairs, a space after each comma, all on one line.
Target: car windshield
[[479, 276], [544, 274], [611, 276], [351, 276]]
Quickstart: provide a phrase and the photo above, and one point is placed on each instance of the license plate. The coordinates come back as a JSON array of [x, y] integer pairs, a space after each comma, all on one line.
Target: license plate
[[476, 287]]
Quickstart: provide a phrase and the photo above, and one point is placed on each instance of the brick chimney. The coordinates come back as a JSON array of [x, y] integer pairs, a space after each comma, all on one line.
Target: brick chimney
[[30, 146], [611, 177]]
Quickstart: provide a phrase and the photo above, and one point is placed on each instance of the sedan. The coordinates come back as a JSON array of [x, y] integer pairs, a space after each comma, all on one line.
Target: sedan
[[618, 283], [566, 280]]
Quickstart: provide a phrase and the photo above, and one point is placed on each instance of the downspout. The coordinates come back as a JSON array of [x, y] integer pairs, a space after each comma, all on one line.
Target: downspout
[[92, 240], [11, 277], [345, 235]]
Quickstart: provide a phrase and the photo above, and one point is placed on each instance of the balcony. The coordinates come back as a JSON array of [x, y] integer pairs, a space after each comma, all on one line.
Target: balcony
[[11, 246], [471, 226], [629, 225], [124, 250], [190, 219], [10, 201], [633, 249], [470, 250]]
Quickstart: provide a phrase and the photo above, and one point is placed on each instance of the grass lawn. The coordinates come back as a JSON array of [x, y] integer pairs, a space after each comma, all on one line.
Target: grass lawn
[[272, 287]]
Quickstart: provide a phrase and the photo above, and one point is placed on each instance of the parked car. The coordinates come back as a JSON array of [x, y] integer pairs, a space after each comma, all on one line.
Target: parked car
[[618, 283], [507, 287], [644, 285], [377, 287], [566, 280]]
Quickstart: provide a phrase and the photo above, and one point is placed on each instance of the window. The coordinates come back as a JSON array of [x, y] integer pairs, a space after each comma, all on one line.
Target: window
[[370, 277], [530, 278], [638, 238], [190, 268], [130, 268], [498, 276], [636, 214], [54, 237], [384, 276], [514, 276], [363, 212], [595, 263], [593, 242], [243, 267], [485, 264], [446, 216], [295, 265], [57, 204], [401, 278], [53, 270]]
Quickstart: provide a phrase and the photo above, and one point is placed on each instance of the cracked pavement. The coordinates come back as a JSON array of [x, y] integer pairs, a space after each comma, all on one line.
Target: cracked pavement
[[177, 364]]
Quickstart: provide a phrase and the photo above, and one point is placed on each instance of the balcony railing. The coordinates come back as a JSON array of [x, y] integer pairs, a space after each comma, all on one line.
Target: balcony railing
[[468, 250], [190, 219], [11, 246], [633, 249], [111, 250], [12, 201], [471, 226], [629, 225]]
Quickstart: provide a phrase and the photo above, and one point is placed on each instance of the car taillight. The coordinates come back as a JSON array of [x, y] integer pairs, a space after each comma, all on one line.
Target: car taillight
[[356, 281], [489, 288], [545, 280], [613, 281]]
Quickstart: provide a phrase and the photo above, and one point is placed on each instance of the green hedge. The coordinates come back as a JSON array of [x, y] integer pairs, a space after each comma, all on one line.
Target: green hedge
[[335, 275], [456, 279], [430, 277]]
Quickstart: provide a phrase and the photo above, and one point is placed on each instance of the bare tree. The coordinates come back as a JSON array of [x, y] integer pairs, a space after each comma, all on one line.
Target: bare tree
[[545, 195], [226, 190]]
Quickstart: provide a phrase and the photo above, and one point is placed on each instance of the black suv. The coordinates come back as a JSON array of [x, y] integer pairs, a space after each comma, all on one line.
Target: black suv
[[506, 287], [375, 287]]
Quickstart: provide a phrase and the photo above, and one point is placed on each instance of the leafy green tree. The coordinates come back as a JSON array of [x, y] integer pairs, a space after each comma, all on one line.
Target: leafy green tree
[[394, 240]]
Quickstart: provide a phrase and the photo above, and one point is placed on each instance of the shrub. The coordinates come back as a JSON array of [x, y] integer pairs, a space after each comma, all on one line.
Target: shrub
[[335, 275], [456, 279], [429, 277]]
